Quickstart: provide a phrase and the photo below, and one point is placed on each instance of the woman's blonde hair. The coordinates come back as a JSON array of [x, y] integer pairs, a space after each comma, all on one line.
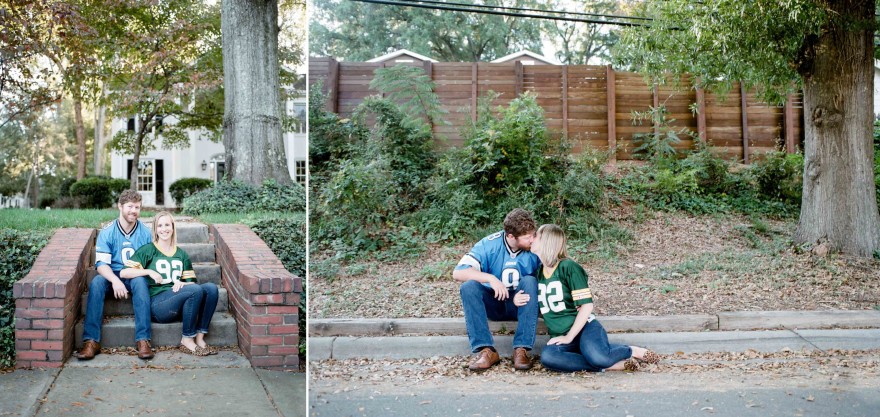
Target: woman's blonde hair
[[173, 227], [553, 244]]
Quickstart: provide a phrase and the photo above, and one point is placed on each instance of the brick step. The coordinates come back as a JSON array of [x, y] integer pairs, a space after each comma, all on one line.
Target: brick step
[[205, 272], [114, 307], [187, 232], [119, 332]]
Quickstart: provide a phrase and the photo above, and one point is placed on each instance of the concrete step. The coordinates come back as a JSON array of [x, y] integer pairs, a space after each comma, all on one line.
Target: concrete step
[[199, 252], [205, 272], [114, 307], [119, 332]]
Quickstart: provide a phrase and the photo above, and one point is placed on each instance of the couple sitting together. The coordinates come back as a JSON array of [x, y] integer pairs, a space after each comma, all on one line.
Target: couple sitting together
[[517, 272], [131, 258]]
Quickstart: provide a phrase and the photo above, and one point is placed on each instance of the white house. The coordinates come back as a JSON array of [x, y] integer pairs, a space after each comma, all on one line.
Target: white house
[[876, 88], [402, 56], [527, 58], [203, 158]]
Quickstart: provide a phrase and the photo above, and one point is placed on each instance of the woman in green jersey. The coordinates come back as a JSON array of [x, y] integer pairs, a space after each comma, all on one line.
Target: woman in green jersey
[[578, 342], [174, 293]]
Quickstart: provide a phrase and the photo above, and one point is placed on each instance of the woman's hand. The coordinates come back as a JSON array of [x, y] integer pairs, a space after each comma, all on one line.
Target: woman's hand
[[178, 285], [521, 299], [560, 340]]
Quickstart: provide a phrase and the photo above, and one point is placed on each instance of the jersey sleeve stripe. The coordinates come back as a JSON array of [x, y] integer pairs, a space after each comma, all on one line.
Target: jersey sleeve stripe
[[103, 257], [583, 294], [471, 261], [188, 275], [132, 264]]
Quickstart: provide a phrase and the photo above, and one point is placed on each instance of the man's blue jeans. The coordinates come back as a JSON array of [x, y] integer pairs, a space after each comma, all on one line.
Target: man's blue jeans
[[480, 306], [589, 351], [140, 300], [193, 304]]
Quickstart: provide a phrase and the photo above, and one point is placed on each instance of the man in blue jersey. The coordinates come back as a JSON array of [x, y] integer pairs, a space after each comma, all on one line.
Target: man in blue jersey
[[498, 268], [116, 242]]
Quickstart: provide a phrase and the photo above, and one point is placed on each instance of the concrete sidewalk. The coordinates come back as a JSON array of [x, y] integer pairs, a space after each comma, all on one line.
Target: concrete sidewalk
[[764, 331], [171, 384]]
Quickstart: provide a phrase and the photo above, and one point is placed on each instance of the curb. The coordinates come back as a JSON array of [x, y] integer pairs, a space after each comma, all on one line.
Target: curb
[[724, 321]]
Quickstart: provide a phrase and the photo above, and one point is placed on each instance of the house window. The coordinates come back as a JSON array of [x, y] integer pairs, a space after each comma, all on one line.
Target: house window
[[145, 175], [131, 124], [300, 171]]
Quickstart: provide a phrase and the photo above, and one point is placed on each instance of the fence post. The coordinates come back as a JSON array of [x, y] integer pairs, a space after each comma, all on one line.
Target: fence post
[[655, 91], [701, 111], [428, 66], [518, 72], [474, 92], [788, 125], [565, 101], [745, 121], [333, 86], [610, 99]]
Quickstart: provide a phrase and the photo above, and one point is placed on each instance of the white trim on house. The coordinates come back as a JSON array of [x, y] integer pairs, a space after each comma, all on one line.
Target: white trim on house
[[527, 53], [400, 52]]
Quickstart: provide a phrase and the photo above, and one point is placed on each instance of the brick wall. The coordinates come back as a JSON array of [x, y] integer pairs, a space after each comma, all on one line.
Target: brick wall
[[47, 299], [263, 296]]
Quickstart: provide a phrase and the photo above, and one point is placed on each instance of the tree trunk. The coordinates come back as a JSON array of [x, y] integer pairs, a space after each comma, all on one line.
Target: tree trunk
[[98, 151], [80, 139], [252, 132], [136, 159], [839, 204]]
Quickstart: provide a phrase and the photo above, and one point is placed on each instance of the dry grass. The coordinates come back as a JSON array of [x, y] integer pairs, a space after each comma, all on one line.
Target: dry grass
[[677, 264]]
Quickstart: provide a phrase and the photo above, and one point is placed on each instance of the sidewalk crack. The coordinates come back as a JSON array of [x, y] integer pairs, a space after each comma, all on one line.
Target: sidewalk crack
[[806, 340]]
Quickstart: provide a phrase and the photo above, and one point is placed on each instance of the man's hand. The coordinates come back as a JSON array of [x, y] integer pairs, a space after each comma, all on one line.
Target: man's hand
[[119, 290], [521, 299], [560, 340], [157, 277], [501, 293]]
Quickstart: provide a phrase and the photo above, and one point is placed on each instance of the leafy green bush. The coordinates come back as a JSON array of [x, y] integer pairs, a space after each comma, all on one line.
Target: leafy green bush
[[330, 137], [18, 253], [98, 192], [236, 196], [186, 187], [780, 176], [64, 188]]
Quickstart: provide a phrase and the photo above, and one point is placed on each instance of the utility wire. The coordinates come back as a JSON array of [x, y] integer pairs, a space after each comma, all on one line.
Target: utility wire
[[497, 12], [521, 9]]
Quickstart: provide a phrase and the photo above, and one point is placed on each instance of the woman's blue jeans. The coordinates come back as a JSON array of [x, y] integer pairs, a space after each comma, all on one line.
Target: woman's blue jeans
[[480, 306], [194, 305], [589, 351]]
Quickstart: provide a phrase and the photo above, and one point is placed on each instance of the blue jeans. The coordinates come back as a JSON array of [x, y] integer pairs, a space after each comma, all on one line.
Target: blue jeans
[[589, 351], [193, 304], [140, 299], [480, 306]]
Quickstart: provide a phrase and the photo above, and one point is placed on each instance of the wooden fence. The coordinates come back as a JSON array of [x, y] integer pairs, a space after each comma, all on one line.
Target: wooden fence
[[589, 104]]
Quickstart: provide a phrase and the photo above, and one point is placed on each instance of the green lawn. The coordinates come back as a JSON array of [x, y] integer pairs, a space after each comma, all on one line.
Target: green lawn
[[49, 220], [227, 218]]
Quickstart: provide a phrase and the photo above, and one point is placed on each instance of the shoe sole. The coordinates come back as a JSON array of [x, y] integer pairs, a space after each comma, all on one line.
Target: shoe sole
[[483, 369]]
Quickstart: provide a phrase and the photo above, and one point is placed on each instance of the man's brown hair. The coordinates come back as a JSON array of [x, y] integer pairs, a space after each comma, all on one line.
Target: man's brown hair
[[519, 222], [129, 196]]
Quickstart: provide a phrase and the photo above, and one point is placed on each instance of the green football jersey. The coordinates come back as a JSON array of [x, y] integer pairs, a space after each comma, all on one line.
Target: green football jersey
[[560, 294], [174, 267]]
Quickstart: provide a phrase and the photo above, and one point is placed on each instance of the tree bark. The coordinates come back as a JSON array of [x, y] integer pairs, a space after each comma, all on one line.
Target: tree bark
[[252, 131], [80, 139], [839, 205], [100, 113]]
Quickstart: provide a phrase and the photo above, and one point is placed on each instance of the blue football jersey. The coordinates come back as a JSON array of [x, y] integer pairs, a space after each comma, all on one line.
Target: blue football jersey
[[114, 246], [492, 255]]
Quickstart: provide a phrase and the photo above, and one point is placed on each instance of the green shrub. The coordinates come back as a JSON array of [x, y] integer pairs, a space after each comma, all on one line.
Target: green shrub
[[330, 137], [18, 253], [64, 188], [780, 176], [237, 196], [98, 192], [186, 187]]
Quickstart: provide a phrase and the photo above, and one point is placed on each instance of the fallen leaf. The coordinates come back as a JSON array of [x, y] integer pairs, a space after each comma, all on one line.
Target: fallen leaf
[[810, 398], [425, 402], [77, 404], [553, 399]]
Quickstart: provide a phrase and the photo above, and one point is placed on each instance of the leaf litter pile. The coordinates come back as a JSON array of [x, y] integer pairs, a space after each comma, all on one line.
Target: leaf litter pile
[[674, 264], [831, 364]]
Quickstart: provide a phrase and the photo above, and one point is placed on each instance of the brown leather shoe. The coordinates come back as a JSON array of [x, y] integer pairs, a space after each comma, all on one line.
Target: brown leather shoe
[[521, 360], [89, 350], [145, 351], [486, 359]]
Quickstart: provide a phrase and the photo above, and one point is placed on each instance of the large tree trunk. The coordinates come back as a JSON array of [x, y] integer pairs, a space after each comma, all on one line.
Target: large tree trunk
[[136, 158], [100, 114], [252, 132], [80, 139], [839, 204]]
